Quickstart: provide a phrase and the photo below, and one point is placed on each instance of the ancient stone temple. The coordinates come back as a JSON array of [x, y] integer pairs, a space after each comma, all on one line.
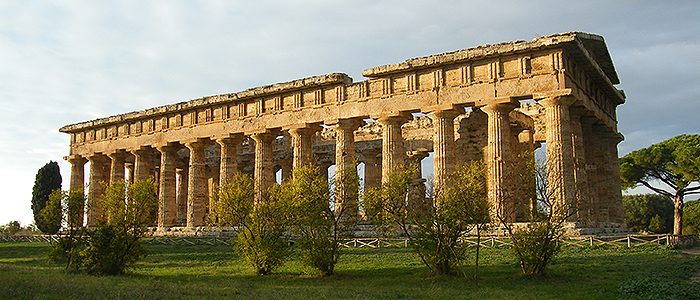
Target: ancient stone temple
[[489, 103]]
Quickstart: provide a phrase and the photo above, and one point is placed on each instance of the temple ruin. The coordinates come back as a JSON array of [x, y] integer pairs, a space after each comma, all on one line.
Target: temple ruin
[[491, 102]]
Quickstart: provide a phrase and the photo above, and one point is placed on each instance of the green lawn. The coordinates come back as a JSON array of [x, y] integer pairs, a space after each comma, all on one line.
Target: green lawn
[[213, 272]]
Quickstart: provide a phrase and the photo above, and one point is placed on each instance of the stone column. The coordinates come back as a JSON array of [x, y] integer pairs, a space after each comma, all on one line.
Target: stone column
[[443, 146], [416, 194], [264, 173], [323, 168], [345, 202], [197, 184], [77, 172], [116, 173], [286, 167], [98, 175], [614, 183], [142, 163], [560, 164], [598, 210], [497, 151], [301, 146], [372, 172], [392, 144], [77, 182], [182, 195], [229, 157], [167, 188], [581, 186]]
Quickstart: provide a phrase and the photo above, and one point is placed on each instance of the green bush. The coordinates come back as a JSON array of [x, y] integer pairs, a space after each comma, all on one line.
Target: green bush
[[536, 245], [261, 241], [110, 250], [261, 226]]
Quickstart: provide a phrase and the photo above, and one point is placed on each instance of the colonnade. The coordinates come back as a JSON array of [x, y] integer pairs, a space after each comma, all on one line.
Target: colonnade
[[574, 148], [568, 80]]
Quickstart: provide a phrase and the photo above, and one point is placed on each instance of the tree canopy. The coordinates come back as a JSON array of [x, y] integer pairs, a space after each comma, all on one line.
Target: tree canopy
[[640, 210], [48, 179], [670, 168]]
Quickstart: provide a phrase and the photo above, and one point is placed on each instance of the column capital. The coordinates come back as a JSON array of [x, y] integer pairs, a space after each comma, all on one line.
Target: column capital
[[443, 114], [198, 144], [235, 138], [119, 154], [97, 158], [565, 101], [76, 159], [347, 124], [264, 137], [498, 108], [169, 148]]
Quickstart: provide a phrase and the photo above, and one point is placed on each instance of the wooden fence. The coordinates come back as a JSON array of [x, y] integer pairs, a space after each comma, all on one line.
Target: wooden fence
[[621, 241]]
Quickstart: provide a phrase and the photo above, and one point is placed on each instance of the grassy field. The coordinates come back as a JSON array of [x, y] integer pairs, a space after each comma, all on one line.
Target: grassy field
[[213, 272]]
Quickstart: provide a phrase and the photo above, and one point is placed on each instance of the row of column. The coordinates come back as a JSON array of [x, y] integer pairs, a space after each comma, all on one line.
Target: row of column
[[568, 160]]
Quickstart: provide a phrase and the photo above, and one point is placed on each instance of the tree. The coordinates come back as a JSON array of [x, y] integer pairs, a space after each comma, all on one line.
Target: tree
[[691, 218], [260, 226], [11, 228], [115, 244], [435, 228], [670, 168], [641, 209], [312, 220], [48, 179], [69, 246]]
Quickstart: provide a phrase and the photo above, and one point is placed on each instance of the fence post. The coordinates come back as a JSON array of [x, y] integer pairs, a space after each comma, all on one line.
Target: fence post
[[591, 238], [629, 242]]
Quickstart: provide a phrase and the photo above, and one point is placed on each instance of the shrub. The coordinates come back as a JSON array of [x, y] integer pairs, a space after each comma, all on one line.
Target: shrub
[[114, 245], [261, 226], [111, 250], [433, 228], [318, 227]]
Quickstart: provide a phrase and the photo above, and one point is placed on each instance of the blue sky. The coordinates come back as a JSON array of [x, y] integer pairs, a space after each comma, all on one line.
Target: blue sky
[[63, 62]]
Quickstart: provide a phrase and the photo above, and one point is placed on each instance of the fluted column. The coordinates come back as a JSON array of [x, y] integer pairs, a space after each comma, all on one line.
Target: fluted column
[[372, 172], [197, 184], [167, 194], [264, 173], [392, 144], [98, 174], [497, 151], [229, 157], [581, 186], [560, 164], [301, 146], [77, 172], [443, 146], [142, 163], [182, 194], [344, 162], [598, 209], [77, 182], [614, 182], [116, 173]]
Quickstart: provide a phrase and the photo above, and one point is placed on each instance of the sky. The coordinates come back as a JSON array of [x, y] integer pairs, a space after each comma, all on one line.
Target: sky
[[64, 62]]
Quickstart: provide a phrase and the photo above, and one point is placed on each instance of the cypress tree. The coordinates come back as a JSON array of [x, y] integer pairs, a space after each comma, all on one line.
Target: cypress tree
[[48, 179]]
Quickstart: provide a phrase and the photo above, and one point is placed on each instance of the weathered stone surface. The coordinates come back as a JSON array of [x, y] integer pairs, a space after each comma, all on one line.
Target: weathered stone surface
[[487, 103]]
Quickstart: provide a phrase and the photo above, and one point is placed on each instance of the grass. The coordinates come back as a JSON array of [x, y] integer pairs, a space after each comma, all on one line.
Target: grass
[[213, 272]]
